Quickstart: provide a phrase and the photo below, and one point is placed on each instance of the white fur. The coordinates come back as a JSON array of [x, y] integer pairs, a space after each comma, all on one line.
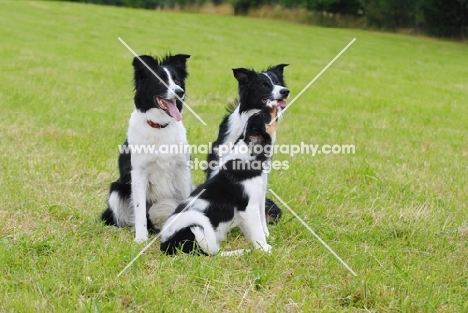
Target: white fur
[[205, 234], [264, 177], [172, 85], [237, 121], [251, 221], [162, 178], [275, 94], [123, 215], [236, 125]]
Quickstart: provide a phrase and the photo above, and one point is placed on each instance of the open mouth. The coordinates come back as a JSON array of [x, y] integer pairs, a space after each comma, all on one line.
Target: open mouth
[[279, 102], [169, 106]]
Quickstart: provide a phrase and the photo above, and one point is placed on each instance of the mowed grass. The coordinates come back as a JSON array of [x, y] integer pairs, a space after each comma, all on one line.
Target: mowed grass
[[395, 211]]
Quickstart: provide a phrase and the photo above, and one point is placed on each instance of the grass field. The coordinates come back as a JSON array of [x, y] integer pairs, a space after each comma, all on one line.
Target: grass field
[[395, 211]]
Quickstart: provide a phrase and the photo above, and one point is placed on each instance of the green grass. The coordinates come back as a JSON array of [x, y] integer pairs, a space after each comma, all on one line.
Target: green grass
[[396, 211]]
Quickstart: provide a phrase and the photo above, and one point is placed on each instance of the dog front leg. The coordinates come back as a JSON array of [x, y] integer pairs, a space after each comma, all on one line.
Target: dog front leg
[[263, 217], [139, 186], [262, 207], [251, 226]]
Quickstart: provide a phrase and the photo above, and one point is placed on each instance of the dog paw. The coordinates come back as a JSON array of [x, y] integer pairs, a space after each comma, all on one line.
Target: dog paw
[[266, 248], [141, 237]]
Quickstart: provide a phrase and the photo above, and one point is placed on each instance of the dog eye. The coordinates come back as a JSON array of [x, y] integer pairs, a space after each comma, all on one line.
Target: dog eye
[[266, 85], [176, 82]]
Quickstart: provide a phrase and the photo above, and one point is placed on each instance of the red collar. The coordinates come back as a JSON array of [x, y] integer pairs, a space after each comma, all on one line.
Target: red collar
[[156, 125]]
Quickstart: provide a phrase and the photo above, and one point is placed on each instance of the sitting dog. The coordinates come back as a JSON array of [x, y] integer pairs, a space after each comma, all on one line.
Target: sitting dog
[[152, 184], [233, 196], [255, 90]]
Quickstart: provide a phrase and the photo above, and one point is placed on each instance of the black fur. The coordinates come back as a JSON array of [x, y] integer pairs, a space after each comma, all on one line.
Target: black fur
[[123, 186], [224, 192], [147, 87], [253, 88], [185, 243], [273, 212]]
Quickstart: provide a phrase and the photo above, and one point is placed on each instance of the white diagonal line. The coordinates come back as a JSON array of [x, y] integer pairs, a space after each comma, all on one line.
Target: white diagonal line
[[313, 80], [155, 238], [244, 296], [162, 81], [313, 233], [237, 252]]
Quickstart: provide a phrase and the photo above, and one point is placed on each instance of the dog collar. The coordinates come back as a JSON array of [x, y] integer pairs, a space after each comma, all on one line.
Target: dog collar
[[156, 125]]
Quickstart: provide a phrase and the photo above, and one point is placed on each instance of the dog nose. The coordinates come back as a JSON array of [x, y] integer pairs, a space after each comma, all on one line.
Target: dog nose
[[284, 92], [179, 92]]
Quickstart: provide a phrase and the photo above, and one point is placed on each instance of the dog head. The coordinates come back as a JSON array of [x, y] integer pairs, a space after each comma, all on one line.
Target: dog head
[[256, 89], [163, 92]]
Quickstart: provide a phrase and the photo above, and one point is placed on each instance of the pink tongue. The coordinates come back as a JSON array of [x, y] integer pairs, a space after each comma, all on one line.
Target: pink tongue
[[172, 110], [281, 103]]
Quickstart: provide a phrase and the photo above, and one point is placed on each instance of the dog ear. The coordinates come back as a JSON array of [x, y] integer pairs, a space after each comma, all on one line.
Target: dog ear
[[179, 62], [140, 70], [243, 75], [278, 70]]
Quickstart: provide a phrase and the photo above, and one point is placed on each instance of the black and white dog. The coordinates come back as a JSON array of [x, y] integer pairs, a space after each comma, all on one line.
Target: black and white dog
[[233, 196], [255, 90], [151, 185]]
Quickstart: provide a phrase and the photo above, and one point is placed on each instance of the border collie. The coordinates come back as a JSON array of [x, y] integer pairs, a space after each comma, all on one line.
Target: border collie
[[151, 185], [233, 196], [255, 89]]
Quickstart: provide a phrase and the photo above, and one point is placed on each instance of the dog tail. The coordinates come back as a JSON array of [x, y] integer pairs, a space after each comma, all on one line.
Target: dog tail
[[108, 217], [119, 211], [189, 231], [272, 211], [206, 238]]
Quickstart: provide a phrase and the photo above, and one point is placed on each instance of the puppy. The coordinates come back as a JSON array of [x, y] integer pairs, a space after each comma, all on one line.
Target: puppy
[[152, 184], [233, 196]]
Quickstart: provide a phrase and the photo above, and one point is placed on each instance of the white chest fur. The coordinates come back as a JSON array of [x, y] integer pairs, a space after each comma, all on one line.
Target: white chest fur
[[160, 174]]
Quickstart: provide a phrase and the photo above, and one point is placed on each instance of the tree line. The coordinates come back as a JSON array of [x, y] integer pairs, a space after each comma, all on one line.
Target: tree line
[[443, 18]]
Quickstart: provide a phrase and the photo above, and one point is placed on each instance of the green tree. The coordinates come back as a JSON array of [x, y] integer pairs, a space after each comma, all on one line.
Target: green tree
[[242, 7], [392, 14], [447, 18]]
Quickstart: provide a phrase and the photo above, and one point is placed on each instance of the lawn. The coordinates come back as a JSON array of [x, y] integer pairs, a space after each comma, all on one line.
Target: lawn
[[395, 210]]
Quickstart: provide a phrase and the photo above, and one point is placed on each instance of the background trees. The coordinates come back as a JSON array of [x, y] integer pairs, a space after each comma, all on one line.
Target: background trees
[[445, 18]]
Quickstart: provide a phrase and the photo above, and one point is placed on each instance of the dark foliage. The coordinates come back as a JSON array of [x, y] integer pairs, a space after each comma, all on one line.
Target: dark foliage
[[444, 18]]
